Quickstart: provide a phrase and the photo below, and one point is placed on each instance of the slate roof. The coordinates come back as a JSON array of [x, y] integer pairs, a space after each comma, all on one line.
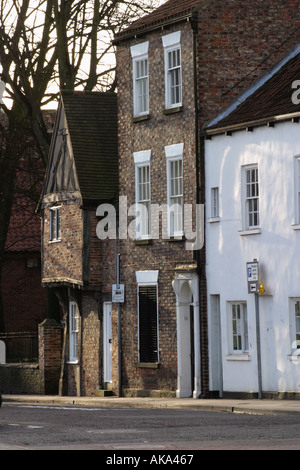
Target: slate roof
[[92, 124], [268, 100], [170, 11]]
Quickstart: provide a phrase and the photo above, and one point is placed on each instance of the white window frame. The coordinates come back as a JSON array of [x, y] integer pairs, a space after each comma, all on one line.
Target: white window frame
[[174, 157], [250, 197], [73, 332], [171, 44], [215, 214], [295, 323], [55, 223], [140, 61], [143, 202], [297, 191], [147, 279], [238, 328]]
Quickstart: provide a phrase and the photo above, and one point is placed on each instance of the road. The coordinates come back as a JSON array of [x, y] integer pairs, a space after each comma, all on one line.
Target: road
[[36, 427]]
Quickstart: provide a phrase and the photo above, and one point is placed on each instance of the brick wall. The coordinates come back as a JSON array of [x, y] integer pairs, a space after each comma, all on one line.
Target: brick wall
[[156, 133], [62, 260], [237, 42], [24, 300]]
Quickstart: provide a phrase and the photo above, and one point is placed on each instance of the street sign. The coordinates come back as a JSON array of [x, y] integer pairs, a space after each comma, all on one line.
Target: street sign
[[252, 277], [118, 293]]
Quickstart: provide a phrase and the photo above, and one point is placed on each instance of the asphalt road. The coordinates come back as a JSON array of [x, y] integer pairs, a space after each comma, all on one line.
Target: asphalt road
[[38, 427]]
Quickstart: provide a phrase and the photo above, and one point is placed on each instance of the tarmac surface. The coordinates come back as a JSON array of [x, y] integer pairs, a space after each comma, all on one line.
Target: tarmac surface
[[251, 406]]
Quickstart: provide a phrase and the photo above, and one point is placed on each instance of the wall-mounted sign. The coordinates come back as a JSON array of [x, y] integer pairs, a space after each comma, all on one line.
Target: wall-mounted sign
[[118, 293], [252, 277]]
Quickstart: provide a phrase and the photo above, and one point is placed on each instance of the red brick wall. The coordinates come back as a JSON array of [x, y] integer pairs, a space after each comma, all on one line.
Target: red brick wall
[[24, 300]]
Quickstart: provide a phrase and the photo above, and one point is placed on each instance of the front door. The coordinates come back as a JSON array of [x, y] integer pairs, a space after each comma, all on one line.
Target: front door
[[107, 340]]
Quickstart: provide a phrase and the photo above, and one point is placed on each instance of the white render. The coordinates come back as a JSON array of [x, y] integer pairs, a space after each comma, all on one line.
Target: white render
[[276, 246]]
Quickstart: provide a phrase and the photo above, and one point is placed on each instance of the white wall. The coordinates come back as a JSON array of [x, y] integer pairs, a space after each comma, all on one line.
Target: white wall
[[277, 249]]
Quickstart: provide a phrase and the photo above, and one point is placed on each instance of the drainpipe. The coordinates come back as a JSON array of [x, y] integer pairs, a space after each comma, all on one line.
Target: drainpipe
[[194, 26]]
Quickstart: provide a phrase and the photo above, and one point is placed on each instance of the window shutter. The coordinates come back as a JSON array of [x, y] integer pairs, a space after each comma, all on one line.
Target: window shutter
[[148, 324]]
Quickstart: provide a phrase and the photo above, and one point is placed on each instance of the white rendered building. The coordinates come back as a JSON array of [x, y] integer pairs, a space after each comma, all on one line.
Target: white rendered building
[[252, 159]]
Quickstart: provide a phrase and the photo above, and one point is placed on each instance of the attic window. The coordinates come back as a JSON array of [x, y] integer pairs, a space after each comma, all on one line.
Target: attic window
[[55, 223]]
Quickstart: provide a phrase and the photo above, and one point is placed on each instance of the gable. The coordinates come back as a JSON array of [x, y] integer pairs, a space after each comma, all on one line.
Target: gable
[[61, 172], [84, 151]]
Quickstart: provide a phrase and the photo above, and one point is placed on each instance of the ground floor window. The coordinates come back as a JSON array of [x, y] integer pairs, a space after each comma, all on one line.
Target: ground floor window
[[148, 323], [238, 327], [73, 332]]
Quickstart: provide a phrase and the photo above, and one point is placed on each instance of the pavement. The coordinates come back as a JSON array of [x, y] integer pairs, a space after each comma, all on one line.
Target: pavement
[[251, 406]]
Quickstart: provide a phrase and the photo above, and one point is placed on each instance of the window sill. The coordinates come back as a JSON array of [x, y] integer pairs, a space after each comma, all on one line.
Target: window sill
[[55, 241], [296, 226], [178, 238], [238, 357], [176, 109], [253, 231], [212, 220], [148, 365], [145, 241], [145, 117], [73, 363]]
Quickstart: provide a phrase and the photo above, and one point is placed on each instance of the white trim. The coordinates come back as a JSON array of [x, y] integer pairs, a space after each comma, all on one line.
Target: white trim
[[171, 39], [139, 49], [173, 151], [142, 157], [146, 278]]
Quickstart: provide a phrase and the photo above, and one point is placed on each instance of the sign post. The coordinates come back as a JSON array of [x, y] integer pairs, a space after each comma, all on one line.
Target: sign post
[[253, 288]]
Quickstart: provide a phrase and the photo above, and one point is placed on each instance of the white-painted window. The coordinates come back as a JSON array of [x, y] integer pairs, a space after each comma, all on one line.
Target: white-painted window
[[297, 190], [174, 155], [173, 72], [139, 55], [238, 327], [143, 194], [214, 202], [73, 332], [250, 188], [55, 223], [295, 323]]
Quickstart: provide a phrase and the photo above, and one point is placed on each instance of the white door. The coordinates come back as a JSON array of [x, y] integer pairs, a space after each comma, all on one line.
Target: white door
[[107, 341]]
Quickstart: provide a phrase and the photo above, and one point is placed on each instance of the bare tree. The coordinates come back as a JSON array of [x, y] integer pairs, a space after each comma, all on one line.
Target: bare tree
[[45, 46]]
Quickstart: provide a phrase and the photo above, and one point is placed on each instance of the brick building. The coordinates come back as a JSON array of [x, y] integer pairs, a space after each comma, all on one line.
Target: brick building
[[177, 68], [77, 265]]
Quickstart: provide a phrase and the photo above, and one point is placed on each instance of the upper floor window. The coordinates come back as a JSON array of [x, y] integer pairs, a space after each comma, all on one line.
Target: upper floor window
[[174, 155], [173, 82], [55, 223], [143, 194], [250, 187], [139, 55]]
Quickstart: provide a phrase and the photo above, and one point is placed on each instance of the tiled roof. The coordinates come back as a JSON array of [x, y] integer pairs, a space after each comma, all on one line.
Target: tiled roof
[[170, 10], [92, 124], [270, 99], [24, 232]]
